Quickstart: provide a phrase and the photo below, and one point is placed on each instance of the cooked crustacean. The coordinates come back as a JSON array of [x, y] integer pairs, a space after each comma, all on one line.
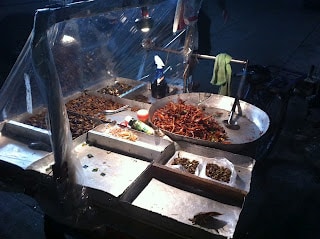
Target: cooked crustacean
[[188, 120]]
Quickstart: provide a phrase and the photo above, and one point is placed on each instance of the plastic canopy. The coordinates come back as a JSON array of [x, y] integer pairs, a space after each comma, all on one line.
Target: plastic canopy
[[77, 45]]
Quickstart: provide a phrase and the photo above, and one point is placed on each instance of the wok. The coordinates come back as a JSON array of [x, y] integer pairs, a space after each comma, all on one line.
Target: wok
[[252, 120]]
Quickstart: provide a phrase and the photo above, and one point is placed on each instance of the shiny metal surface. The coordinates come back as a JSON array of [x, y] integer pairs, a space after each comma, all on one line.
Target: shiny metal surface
[[147, 147], [253, 121], [130, 171], [15, 139], [243, 165], [182, 206], [103, 170], [134, 85], [107, 170]]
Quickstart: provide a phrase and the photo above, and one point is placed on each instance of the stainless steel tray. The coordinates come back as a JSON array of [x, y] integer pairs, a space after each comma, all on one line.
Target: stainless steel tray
[[132, 84], [253, 121], [147, 147], [200, 166], [243, 165], [180, 197], [107, 170], [102, 169], [182, 206], [15, 141]]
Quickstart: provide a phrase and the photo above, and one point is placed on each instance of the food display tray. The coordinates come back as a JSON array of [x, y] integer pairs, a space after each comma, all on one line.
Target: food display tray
[[252, 123], [16, 141], [147, 147], [196, 164], [180, 199], [243, 165], [133, 106], [100, 169], [133, 85]]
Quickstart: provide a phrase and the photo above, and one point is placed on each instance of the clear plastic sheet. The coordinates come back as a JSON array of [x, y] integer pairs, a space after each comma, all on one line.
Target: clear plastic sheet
[[75, 46]]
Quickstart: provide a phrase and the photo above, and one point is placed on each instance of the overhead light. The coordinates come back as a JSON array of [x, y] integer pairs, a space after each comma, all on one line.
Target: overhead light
[[67, 39], [145, 23]]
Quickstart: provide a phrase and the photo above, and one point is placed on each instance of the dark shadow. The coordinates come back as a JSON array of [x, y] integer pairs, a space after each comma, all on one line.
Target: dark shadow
[[15, 29]]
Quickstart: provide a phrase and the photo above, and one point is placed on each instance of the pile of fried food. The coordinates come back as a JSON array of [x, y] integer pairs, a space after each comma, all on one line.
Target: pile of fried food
[[91, 105], [79, 124], [188, 120], [117, 89], [123, 133], [189, 165], [217, 172]]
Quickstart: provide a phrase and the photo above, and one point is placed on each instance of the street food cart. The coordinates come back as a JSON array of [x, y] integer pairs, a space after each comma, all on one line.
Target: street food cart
[[85, 68]]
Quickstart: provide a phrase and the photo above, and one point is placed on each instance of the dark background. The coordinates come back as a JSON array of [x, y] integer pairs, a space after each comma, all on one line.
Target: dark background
[[284, 200]]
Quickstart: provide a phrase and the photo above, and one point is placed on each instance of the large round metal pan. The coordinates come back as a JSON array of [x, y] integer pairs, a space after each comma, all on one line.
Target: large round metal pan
[[253, 121]]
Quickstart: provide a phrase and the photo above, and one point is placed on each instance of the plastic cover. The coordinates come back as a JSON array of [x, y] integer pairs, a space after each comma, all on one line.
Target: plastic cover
[[85, 43]]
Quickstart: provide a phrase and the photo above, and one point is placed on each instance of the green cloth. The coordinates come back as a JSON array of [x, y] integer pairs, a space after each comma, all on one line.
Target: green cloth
[[222, 73]]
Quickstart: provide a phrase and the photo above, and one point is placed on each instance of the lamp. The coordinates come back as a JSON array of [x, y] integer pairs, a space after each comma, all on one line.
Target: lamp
[[146, 22]]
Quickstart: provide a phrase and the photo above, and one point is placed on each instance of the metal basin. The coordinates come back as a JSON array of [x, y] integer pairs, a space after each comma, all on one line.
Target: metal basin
[[253, 121]]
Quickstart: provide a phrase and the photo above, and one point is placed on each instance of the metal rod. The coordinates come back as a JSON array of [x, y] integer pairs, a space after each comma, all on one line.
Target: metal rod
[[214, 57], [175, 38], [197, 55]]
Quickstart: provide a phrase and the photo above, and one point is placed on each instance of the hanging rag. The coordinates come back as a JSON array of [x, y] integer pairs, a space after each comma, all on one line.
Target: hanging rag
[[222, 73]]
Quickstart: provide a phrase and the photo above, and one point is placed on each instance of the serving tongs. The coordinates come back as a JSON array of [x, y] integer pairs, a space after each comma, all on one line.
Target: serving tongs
[[116, 110], [230, 122]]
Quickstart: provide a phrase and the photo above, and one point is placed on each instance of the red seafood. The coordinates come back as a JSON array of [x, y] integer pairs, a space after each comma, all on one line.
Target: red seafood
[[188, 120]]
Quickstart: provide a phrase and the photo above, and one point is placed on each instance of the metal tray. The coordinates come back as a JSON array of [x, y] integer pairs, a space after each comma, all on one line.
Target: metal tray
[[201, 167], [102, 169], [176, 199], [243, 165], [15, 141], [147, 147], [253, 121], [133, 84]]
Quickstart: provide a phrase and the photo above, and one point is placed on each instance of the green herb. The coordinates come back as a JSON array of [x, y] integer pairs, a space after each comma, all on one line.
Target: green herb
[[95, 170]]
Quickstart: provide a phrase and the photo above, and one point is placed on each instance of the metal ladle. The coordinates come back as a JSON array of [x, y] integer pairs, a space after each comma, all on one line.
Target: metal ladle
[[230, 122]]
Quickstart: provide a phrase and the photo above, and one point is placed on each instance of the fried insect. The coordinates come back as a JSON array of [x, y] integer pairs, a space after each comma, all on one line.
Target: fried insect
[[91, 105], [202, 217], [188, 120], [217, 172], [117, 89], [189, 165]]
